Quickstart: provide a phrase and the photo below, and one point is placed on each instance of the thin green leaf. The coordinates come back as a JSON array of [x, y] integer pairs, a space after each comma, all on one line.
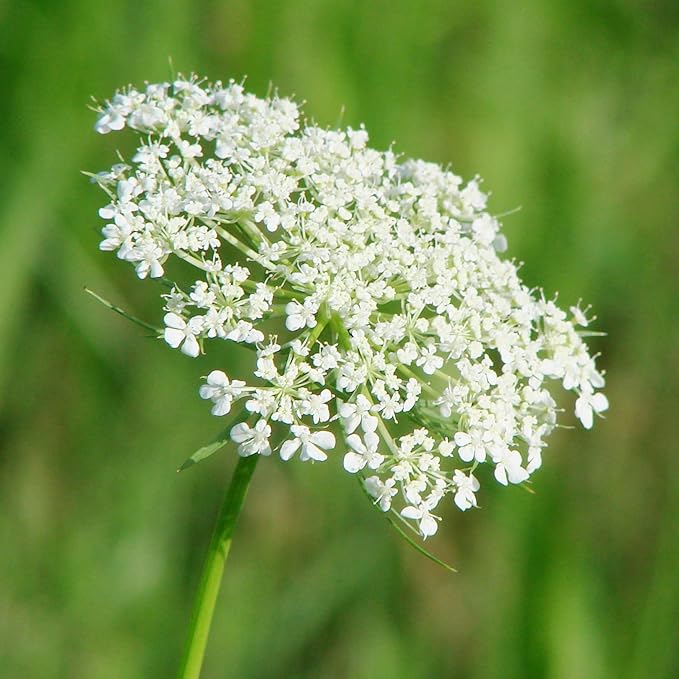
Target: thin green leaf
[[418, 547], [122, 312], [216, 444], [413, 543], [206, 451]]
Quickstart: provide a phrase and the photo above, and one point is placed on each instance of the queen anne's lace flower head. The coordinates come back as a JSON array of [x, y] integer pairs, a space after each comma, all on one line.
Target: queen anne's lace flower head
[[398, 319]]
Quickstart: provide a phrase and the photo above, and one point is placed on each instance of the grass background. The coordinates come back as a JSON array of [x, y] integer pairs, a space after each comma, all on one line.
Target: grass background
[[568, 109]]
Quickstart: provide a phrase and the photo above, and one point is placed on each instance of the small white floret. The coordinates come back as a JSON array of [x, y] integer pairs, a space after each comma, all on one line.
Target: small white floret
[[179, 333], [427, 522], [310, 444], [252, 440], [587, 404], [466, 486]]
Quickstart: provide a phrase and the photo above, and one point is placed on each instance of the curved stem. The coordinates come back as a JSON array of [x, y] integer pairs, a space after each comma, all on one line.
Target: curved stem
[[211, 577]]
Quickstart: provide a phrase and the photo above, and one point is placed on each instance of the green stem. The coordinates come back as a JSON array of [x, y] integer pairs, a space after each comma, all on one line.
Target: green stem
[[213, 568], [411, 373]]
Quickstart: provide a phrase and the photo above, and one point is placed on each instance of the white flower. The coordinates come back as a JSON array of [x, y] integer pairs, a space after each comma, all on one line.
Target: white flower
[[262, 402], [414, 488], [113, 118], [429, 361], [383, 492], [364, 452], [408, 353], [118, 235], [327, 358], [179, 332], [426, 521], [221, 391], [579, 316], [413, 391], [472, 446], [346, 272], [316, 406], [508, 467], [267, 214], [356, 413], [252, 440], [388, 405], [587, 404], [299, 316], [244, 332], [312, 444], [534, 459], [147, 257], [466, 486]]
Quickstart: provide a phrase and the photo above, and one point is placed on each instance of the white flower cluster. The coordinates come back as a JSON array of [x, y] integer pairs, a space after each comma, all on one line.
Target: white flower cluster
[[400, 326]]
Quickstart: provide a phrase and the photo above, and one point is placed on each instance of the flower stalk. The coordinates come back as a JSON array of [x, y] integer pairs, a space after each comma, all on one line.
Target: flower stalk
[[213, 568]]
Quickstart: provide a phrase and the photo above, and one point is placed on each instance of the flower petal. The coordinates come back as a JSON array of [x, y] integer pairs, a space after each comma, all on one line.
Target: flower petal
[[599, 402], [172, 320], [501, 474], [353, 462], [241, 432], [289, 448], [411, 512], [310, 451], [428, 525], [191, 347], [174, 337], [462, 438], [217, 378], [324, 439]]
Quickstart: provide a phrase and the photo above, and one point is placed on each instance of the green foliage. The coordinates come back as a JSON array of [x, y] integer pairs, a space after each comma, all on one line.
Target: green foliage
[[206, 451], [217, 443], [567, 109]]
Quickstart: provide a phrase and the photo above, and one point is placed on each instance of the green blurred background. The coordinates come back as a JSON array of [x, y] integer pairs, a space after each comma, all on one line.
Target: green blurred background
[[568, 109]]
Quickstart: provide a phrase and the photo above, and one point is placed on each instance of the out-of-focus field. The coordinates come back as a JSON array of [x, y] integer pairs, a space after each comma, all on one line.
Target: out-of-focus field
[[567, 109]]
